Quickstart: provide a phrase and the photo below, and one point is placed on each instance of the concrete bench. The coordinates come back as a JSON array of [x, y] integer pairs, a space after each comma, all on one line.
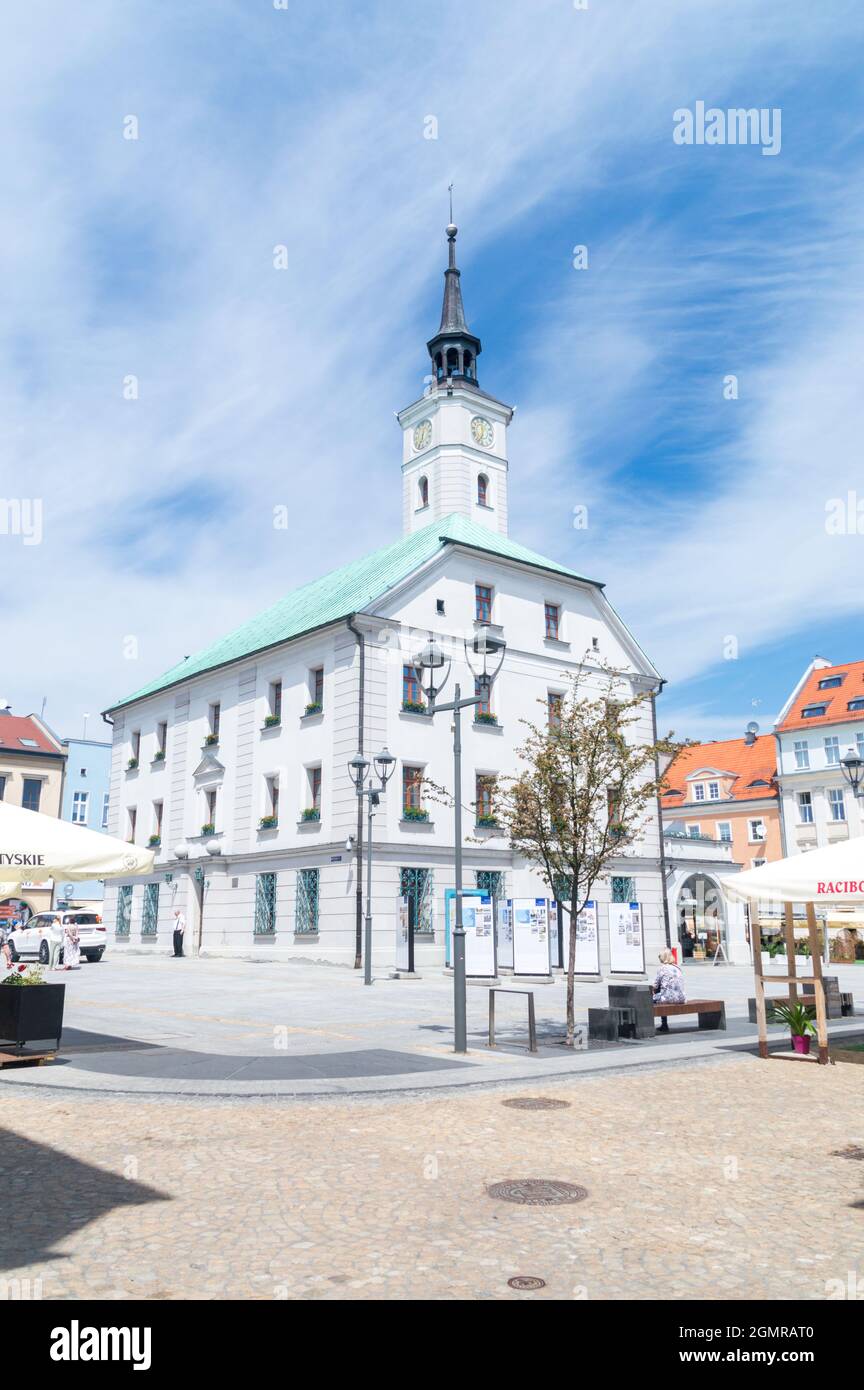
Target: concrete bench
[[840, 1005], [712, 1013]]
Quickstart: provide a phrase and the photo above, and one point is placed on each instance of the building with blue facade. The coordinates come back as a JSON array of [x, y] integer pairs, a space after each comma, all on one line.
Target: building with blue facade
[[85, 802]]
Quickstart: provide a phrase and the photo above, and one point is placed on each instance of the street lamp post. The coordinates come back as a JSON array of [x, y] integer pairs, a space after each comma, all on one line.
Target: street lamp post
[[360, 769], [853, 770], [433, 669]]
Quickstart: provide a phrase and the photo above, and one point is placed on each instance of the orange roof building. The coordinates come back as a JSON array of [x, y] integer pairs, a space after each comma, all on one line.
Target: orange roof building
[[727, 791], [822, 719]]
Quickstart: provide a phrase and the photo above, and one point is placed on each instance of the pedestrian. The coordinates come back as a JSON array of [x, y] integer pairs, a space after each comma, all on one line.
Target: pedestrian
[[71, 947], [668, 985], [179, 930]]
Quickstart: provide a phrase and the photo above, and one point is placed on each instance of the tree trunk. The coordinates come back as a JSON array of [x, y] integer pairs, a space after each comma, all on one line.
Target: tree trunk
[[571, 974]]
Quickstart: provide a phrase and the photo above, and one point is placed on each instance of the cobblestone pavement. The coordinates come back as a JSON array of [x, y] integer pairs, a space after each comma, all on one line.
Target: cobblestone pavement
[[708, 1181]]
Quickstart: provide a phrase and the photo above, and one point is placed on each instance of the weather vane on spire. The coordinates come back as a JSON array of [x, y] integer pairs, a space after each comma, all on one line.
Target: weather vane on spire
[[450, 191]]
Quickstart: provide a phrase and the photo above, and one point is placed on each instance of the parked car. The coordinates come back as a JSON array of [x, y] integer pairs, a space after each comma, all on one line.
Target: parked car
[[35, 937]]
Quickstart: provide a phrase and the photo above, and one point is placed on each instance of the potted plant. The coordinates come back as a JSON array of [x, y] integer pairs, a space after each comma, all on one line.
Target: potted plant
[[272, 721], [413, 707], [799, 1020], [268, 822], [314, 707], [208, 829], [311, 813], [28, 1015], [485, 717], [211, 740], [159, 755], [415, 813], [154, 841], [488, 821], [132, 764]]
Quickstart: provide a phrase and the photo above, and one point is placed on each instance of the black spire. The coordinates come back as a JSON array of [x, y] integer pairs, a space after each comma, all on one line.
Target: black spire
[[453, 350]]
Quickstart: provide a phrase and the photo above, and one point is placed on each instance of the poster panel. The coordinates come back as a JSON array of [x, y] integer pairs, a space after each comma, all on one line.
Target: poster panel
[[587, 941], [505, 933], [555, 935], [478, 919], [626, 939], [403, 935], [531, 936]]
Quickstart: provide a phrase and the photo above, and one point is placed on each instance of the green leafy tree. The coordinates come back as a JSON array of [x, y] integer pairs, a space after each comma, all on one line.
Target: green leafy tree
[[584, 792]]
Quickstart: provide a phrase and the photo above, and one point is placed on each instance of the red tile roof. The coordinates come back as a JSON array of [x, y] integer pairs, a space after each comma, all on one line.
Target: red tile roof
[[754, 762], [835, 700], [15, 727]]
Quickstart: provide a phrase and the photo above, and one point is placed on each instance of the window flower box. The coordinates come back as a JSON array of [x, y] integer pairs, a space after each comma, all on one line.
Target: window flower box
[[208, 829], [159, 755], [485, 718], [211, 740], [314, 707], [311, 813], [154, 842], [268, 823], [132, 764], [488, 822], [417, 813], [413, 707], [272, 721]]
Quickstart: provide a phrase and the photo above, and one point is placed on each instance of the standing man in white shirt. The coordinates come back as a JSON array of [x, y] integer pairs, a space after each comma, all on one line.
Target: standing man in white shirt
[[179, 931]]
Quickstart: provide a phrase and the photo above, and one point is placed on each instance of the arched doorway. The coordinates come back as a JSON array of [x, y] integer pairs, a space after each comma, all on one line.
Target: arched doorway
[[701, 918]]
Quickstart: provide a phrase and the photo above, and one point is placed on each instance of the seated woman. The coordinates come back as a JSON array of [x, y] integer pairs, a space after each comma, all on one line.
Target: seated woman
[[668, 985]]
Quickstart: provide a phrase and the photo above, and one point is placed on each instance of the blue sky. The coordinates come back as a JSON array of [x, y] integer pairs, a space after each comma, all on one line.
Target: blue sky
[[153, 258]]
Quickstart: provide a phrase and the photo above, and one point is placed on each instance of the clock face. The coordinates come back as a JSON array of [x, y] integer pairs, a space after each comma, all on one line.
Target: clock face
[[482, 432], [422, 435]]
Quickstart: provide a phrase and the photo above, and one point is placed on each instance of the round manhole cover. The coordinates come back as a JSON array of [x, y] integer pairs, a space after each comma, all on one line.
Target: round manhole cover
[[536, 1103], [537, 1192], [526, 1281]]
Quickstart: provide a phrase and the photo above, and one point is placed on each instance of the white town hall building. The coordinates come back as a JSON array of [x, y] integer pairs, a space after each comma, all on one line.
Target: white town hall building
[[234, 764]]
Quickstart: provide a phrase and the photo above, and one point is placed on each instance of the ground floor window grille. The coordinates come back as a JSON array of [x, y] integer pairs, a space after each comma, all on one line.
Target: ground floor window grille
[[623, 889], [124, 910], [306, 911], [491, 881], [150, 921], [265, 904], [416, 884]]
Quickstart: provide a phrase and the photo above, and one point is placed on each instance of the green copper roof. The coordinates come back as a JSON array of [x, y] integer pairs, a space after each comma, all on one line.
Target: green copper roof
[[348, 590]]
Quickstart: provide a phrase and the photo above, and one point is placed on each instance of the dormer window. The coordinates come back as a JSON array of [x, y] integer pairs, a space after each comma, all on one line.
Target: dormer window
[[813, 711], [482, 490], [423, 493], [713, 791], [830, 682], [699, 791]]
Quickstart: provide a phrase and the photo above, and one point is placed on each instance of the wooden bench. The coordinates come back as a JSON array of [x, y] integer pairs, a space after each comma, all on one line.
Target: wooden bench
[[712, 1013]]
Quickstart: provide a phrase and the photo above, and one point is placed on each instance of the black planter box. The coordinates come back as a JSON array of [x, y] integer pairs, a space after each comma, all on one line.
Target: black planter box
[[29, 1013]]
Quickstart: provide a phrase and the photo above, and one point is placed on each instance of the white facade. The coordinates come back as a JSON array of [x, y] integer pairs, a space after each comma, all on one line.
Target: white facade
[[452, 441], [818, 807]]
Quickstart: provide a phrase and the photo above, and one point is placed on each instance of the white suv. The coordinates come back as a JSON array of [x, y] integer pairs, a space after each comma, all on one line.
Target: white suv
[[36, 937]]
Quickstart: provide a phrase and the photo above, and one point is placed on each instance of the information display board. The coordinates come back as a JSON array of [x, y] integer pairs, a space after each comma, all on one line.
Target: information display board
[[626, 939], [587, 941], [404, 935], [505, 933], [478, 919], [531, 936]]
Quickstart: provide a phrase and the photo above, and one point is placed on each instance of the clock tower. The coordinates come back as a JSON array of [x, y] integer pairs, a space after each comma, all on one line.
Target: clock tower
[[454, 453]]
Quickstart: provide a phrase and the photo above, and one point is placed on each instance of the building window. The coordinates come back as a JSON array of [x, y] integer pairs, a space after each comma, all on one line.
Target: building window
[[412, 789], [422, 494], [553, 620], [210, 799], [805, 808], [483, 693], [483, 603], [694, 831], [490, 881], [265, 904], [124, 910], [813, 711], [802, 753], [80, 802], [106, 802], [416, 884], [623, 889], [713, 791], [314, 774], [161, 739], [830, 682], [554, 704], [724, 831], [860, 741], [832, 751], [274, 701], [412, 691], [271, 799], [855, 704], [150, 920], [157, 819], [132, 813], [837, 803], [756, 831], [214, 719], [306, 907], [699, 791], [136, 744], [485, 798], [32, 794], [2, 788], [316, 688], [482, 490]]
